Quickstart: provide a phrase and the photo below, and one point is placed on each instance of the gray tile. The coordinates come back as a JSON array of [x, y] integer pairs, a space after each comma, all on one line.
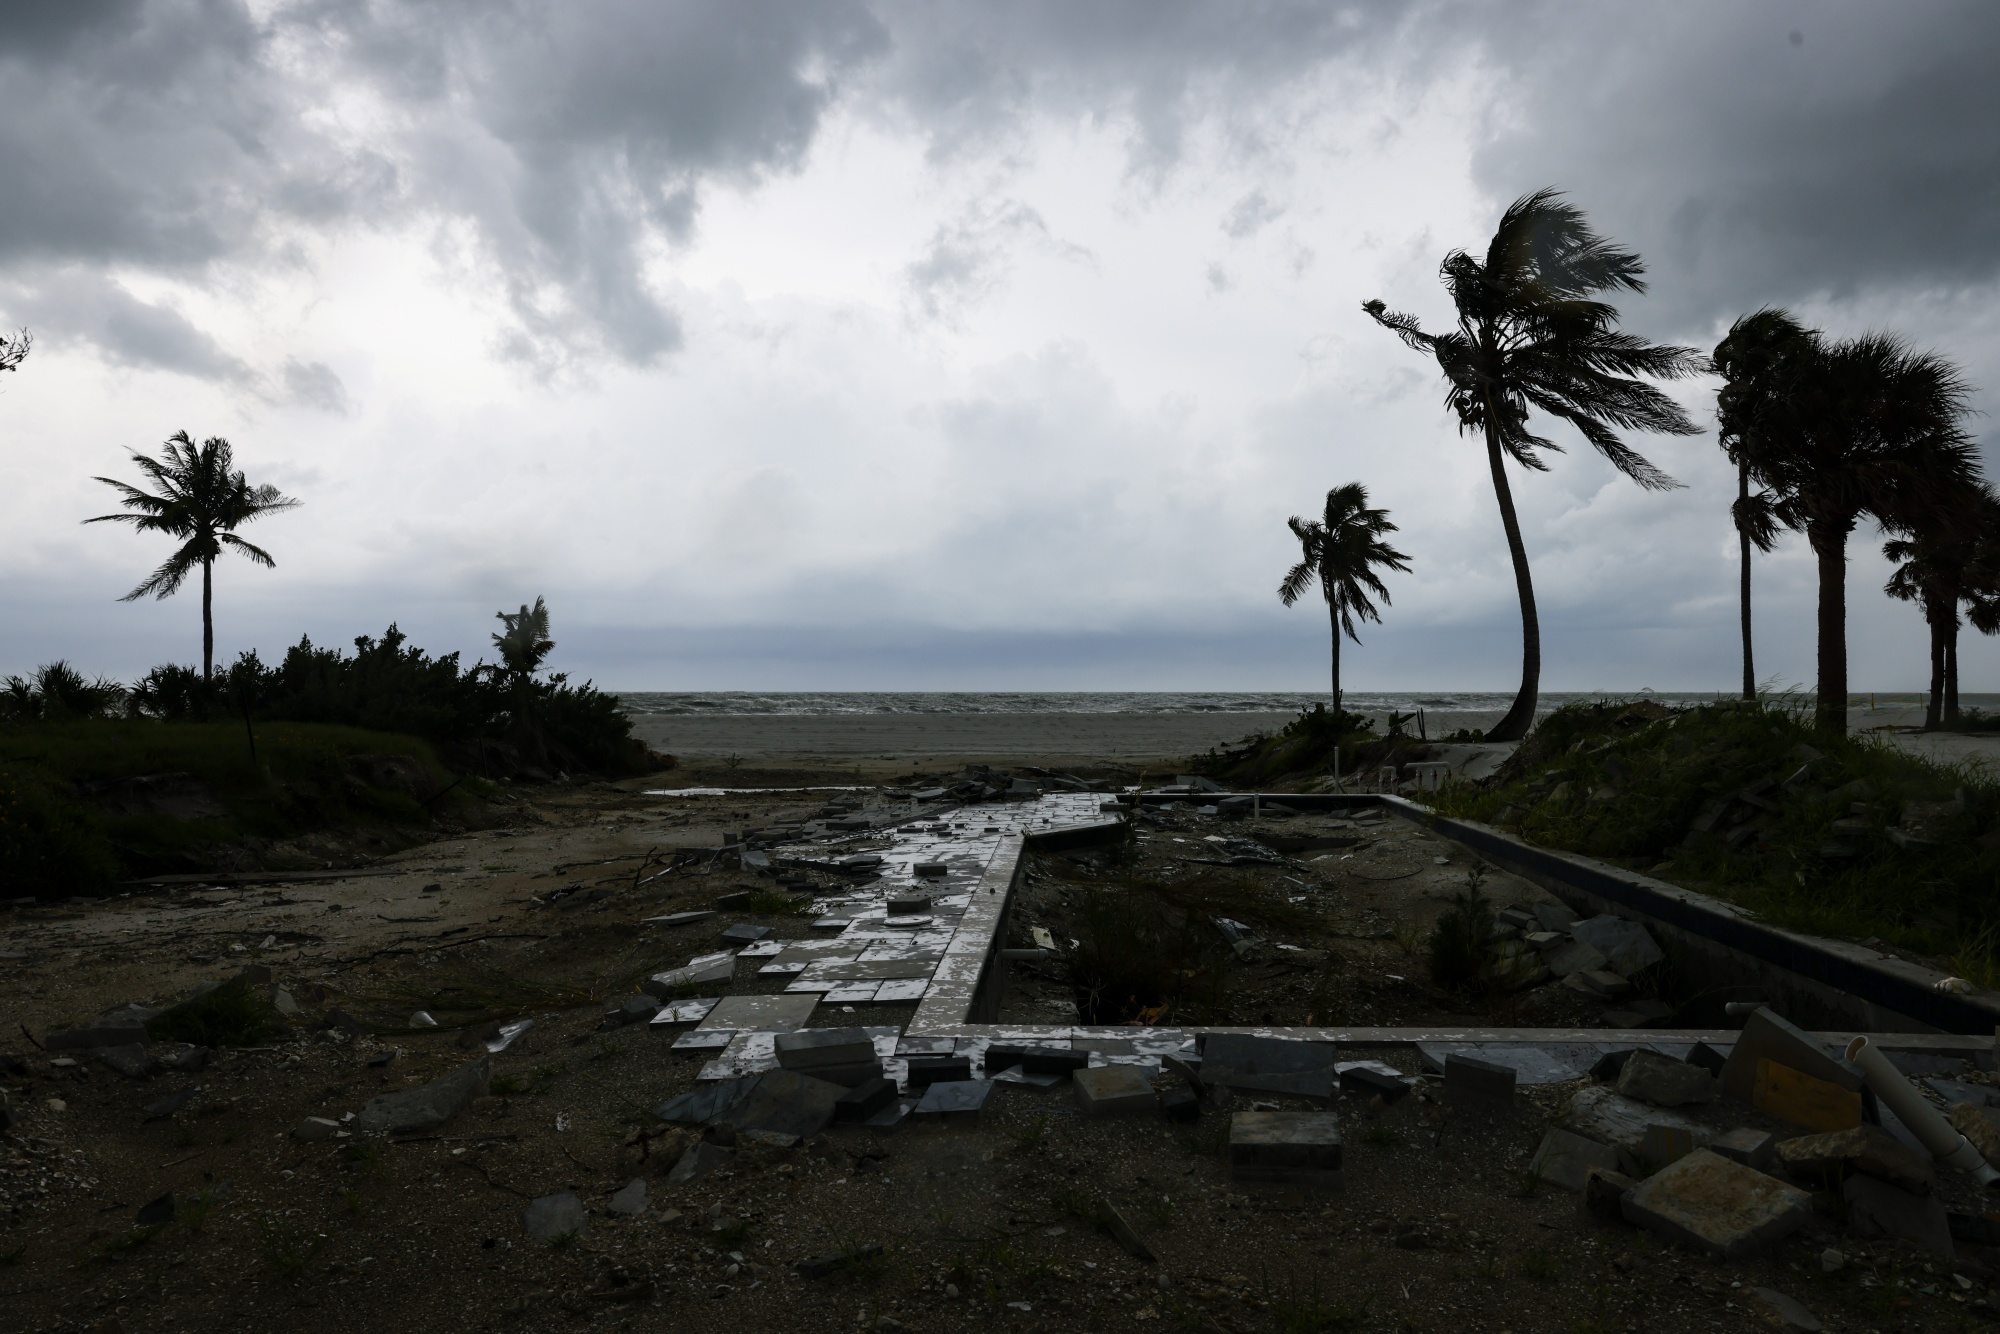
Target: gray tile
[[742, 1013]]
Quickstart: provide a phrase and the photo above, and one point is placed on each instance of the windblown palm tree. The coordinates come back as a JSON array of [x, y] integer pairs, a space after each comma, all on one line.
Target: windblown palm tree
[[525, 641], [1952, 558], [1341, 549], [201, 499], [1530, 335], [1753, 361], [1839, 431]]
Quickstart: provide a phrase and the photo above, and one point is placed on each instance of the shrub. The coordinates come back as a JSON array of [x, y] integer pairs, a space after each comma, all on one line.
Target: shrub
[[1462, 945], [51, 844]]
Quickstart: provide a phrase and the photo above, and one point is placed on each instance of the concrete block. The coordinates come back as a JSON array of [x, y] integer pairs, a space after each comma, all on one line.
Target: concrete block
[[812, 1048], [1870, 1150], [1666, 1144], [1113, 1090], [1806, 1102], [928, 1070], [1665, 1082], [1711, 1204], [428, 1105], [1878, 1209], [1291, 1148], [1768, 1036], [1752, 1148], [1467, 1079], [864, 1100], [1566, 1159]]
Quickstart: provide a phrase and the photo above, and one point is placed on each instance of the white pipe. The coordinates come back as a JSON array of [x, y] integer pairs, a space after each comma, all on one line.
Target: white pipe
[[1923, 1120]]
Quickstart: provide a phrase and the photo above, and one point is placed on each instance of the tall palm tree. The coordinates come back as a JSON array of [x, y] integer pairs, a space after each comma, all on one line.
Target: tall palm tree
[[1530, 335], [1951, 557], [1841, 430], [1341, 549], [202, 498], [1750, 360]]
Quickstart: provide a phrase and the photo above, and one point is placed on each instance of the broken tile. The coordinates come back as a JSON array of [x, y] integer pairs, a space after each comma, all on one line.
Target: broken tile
[[1782, 1312], [953, 1099], [1711, 1204], [1752, 1148], [717, 967], [700, 1159], [704, 1039], [763, 1013], [787, 1103], [683, 1011], [1370, 1079], [674, 919], [743, 933]]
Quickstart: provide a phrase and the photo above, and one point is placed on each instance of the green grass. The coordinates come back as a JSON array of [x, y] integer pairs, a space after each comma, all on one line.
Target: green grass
[[60, 793], [1629, 783]]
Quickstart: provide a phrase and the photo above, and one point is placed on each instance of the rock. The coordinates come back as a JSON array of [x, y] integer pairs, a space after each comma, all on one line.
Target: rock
[[1574, 956], [1752, 1148], [284, 1002], [1604, 1193], [1467, 1079], [1781, 1312], [1665, 1082], [1868, 1149], [1806, 1102], [161, 1108], [1877, 1209], [422, 1019], [630, 1201], [1980, 1125], [1706, 1202], [1767, 1035], [1626, 946], [1553, 916], [154, 1213], [1707, 1058], [1831, 1261], [1292, 1148], [1598, 982], [554, 1217], [429, 1105], [700, 1159], [94, 1035], [132, 1061], [187, 1060], [822, 1265], [1113, 1090], [1567, 1159], [315, 1130]]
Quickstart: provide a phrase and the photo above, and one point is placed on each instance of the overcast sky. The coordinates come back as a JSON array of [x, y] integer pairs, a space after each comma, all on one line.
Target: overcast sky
[[959, 346]]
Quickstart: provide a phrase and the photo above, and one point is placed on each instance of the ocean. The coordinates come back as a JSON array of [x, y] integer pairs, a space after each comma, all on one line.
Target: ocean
[[733, 703]]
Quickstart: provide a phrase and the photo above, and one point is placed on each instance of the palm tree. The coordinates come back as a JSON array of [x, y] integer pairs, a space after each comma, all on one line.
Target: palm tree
[[1953, 557], [1341, 549], [1839, 431], [202, 499], [14, 351], [1530, 335], [525, 640], [1749, 360]]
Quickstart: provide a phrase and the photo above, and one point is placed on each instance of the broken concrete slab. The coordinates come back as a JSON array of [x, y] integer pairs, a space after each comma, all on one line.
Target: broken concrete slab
[[1181, 1104], [630, 1200], [953, 1100], [1600, 1113], [1553, 916], [1467, 1079], [554, 1218], [1113, 1090], [675, 1013], [1877, 1209], [1752, 1148], [813, 1048], [1574, 956], [1866, 1149], [1768, 1036], [1666, 1144], [1604, 1193], [1268, 1065], [743, 933], [1627, 947], [1711, 1204], [1599, 982], [763, 1014], [700, 1159], [1664, 1082], [785, 1102], [1566, 1159], [429, 1105], [864, 1100], [1287, 1148]]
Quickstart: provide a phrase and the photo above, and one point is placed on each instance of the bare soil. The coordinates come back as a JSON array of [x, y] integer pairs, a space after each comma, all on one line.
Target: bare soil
[[989, 1224]]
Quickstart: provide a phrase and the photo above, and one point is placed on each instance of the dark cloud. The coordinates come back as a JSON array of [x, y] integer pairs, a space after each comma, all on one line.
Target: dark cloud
[[81, 305], [313, 384], [1773, 151]]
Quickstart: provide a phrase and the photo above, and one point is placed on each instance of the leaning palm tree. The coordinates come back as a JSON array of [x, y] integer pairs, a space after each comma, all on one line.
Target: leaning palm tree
[[1758, 355], [1341, 549], [201, 499], [1530, 335], [1864, 427]]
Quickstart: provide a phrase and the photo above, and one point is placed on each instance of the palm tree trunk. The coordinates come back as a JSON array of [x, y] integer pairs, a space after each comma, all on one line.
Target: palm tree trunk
[[207, 621], [1951, 667], [1934, 707], [1829, 543], [1521, 716], [1743, 540], [1333, 615]]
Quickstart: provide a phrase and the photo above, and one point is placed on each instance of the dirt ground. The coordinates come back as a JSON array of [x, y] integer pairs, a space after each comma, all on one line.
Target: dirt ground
[[988, 1224]]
